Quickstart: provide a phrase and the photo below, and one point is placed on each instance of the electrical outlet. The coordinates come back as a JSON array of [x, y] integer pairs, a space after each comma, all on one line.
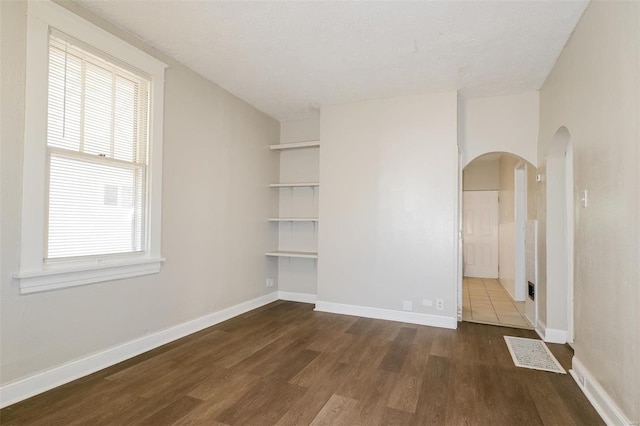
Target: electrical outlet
[[440, 304], [427, 302], [270, 282], [407, 305]]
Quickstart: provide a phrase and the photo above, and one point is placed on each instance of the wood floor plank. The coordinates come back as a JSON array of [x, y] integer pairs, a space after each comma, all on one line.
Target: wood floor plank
[[166, 361], [286, 364], [498, 350], [220, 398], [490, 393], [397, 354], [265, 403], [386, 330], [462, 406], [173, 412], [517, 401], [222, 385], [406, 391], [126, 414], [335, 412], [578, 406], [354, 352], [393, 417], [432, 401], [49, 403], [180, 381], [371, 406], [319, 391], [331, 336], [361, 379], [443, 343], [550, 406], [471, 344], [320, 367], [247, 361], [234, 352], [360, 326], [562, 353], [85, 404]]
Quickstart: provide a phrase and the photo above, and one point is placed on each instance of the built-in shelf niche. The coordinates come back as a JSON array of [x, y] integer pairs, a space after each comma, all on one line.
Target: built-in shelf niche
[[297, 192]]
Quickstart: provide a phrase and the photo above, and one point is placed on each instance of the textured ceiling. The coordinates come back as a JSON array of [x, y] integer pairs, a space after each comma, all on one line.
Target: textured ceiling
[[287, 58]]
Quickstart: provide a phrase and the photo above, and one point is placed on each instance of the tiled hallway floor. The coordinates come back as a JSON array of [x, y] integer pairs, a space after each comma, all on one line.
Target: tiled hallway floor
[[486, 301]]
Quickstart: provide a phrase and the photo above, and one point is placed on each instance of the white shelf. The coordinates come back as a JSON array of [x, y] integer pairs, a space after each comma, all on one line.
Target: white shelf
[[300, 254], [307, 144], [294, 185], [293, 219]]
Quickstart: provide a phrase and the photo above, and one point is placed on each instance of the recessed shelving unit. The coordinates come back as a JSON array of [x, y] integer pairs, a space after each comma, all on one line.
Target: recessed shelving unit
[[296, 208], [298, 254], [295, 145]]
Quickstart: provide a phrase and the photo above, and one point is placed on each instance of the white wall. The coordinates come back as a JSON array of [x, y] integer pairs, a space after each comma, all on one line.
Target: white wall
[[306, 129], [507, 229], [593, 90], [299, 165], [389, 174], [481, 175], [499, 124], [215, 203]]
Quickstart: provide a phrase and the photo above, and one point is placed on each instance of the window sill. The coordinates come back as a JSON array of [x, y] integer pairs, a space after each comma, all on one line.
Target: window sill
[[64, 277]]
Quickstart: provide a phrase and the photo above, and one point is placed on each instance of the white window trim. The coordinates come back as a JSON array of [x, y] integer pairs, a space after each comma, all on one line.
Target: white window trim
[[35, 275]]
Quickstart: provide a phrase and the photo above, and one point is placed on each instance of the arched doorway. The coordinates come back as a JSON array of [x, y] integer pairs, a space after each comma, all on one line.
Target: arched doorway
[[494, 218], [557, 309]]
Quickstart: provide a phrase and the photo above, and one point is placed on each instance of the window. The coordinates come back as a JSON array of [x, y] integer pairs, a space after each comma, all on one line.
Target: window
[[96, 154], [93, 146]]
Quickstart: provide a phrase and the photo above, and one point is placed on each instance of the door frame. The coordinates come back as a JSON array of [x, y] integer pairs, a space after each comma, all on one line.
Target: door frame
[[520, 210], [570, 199], [460, 262]]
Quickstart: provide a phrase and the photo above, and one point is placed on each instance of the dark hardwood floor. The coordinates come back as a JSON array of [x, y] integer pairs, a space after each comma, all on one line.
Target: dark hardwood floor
[[285, 364]]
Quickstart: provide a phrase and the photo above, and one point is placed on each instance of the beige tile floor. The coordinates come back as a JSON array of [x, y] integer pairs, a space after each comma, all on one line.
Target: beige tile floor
[[486, 301]]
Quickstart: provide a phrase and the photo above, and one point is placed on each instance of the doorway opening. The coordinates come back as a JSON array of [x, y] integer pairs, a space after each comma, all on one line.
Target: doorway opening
[[560, 209], [495, 284]]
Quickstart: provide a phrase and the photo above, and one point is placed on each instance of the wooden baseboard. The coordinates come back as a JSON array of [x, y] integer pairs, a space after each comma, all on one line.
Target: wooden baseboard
[[388, 314], [297, 297], [597, 396]]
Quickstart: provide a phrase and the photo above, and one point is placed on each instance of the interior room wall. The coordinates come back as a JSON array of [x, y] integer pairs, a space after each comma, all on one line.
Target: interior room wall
[[215, 203], [593, 90], [506, 224], [299, 165], [305, 129], [481, 175], [499, 124], [532, 189], [389, 175]]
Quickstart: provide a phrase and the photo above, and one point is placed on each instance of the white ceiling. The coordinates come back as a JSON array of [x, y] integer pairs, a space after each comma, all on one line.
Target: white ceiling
[[287, 58]]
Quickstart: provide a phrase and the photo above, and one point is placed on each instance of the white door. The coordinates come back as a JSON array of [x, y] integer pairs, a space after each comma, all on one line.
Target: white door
[[480, 233]]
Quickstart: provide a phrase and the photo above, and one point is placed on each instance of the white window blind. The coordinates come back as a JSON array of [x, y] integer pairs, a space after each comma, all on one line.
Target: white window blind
[[97, 139]]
